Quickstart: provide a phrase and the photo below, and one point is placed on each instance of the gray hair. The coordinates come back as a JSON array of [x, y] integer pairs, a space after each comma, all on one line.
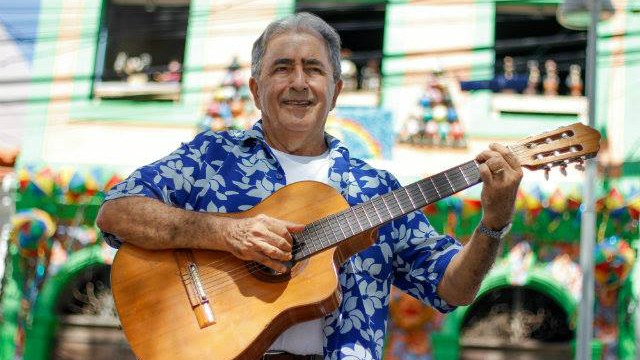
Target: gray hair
[[298, 22]]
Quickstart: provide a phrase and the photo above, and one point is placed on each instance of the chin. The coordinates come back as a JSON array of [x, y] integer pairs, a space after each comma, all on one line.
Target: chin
[[299, 125]]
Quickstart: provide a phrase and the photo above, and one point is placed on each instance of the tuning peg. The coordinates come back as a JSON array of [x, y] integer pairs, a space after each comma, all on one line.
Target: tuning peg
[[580, 166], [547, 169], [563, 169]]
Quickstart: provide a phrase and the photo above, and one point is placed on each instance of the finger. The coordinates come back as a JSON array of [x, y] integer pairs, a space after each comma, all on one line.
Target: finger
[[278, 234], [486, 155], [273, 252], [270, 263], [497, 165], [485, 174], [282, 243], [508, 156]]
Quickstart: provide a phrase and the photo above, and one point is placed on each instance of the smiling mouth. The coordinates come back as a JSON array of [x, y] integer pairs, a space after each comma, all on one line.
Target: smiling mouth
[[297, 102]]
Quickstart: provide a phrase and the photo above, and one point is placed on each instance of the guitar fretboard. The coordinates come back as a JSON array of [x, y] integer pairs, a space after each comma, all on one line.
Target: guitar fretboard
[[335, 228]]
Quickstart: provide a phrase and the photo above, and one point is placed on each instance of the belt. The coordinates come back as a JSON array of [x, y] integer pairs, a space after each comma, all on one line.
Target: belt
[[289, 356]]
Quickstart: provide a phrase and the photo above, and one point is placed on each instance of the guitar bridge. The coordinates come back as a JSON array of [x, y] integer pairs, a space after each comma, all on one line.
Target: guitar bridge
[[196, 292]]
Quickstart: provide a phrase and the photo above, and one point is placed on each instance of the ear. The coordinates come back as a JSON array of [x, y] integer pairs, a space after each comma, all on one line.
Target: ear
[[336, 92], [253, 86]]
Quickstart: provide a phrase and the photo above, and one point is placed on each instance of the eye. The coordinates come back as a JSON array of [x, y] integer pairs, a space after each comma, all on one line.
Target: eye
[[280, 69]]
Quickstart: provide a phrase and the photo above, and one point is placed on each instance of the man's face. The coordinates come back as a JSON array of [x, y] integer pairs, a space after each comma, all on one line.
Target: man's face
[[295, 90]]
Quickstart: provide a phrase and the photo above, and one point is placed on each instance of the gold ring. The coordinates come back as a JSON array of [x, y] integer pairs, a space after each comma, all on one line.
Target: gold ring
[[498, 171]]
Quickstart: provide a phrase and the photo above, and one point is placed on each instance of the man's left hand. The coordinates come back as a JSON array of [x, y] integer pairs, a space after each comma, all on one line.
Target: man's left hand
[[501, 173]]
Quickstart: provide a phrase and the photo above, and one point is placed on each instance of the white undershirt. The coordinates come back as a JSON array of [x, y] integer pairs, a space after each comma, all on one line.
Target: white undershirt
[[304, 338]]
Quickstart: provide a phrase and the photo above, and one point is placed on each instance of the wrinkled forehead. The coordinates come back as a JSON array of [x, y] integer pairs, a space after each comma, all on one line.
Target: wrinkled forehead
[[305, 44]]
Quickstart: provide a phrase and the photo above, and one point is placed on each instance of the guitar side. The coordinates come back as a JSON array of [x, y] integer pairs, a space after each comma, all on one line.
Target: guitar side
[[249, 313]]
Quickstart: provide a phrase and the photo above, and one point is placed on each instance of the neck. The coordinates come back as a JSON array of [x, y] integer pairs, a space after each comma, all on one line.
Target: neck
[[357, 219], [295, 143]]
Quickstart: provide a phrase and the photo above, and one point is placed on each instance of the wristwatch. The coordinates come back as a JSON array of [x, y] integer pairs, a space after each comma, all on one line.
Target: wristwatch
[[495, 234]]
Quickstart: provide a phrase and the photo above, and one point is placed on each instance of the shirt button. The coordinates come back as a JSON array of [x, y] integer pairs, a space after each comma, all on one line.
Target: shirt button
[[279, 176]]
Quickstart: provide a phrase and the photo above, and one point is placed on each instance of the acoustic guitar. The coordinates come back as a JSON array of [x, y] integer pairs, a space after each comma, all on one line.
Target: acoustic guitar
[[193, 304]]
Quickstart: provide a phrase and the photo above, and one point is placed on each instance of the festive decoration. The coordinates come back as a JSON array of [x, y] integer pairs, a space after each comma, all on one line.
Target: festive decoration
[[32, 230], [231, 106], [519, 261], [435, 119], [614, 259], [568, 273], [66, 186]]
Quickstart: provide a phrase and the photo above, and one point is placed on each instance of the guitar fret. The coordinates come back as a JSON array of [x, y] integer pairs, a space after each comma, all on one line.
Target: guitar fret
[[464, 176], [375, 210], [319, 241], [325, 235], [426, 200], [387, 206], [399, 204], [448, 182], [309, 244], [346, 220], [355, 216], [333, 232], [434, 186], [344, 236], [410, 199], [364, 211]]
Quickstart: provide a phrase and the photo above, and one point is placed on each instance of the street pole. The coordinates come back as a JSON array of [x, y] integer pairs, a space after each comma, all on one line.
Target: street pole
[[588, 219]]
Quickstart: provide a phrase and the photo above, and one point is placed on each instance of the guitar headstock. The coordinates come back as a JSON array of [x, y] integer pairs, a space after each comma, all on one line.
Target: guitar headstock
[[560, 147]]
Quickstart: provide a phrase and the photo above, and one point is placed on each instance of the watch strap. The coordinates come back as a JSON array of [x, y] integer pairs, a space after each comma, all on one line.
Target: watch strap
[[495, 234]]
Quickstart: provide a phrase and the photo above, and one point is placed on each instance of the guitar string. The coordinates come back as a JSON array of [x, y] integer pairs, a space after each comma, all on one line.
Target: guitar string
[[297, 246], [230, 278], [431, 192], [333, 216], [210, 280], [328, 220], [459, 167], [208, 275]]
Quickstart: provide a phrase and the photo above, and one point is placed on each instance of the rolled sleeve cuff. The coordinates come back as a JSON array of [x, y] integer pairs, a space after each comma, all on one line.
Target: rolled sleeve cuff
[[439, 269]]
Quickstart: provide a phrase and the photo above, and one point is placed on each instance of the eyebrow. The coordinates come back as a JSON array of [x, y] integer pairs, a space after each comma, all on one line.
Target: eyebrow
[[287, 61]]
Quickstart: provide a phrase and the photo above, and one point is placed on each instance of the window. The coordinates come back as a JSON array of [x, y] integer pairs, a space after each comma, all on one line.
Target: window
[[361, 28], [529, 36], [141, 49]]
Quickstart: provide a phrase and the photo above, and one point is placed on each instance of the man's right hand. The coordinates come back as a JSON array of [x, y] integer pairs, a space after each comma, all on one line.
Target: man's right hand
[[262, 239]]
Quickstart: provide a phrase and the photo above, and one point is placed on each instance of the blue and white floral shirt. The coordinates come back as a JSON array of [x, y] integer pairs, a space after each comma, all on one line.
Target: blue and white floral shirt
[[235, 170]]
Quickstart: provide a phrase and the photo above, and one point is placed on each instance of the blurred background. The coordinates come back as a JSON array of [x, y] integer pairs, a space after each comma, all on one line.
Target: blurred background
[[92, 89]]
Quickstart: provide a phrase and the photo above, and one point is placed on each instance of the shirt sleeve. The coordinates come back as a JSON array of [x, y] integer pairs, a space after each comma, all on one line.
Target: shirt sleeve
[[168, 180], [421, 257]]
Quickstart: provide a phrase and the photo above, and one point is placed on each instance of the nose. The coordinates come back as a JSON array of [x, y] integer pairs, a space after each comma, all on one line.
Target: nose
[[299, 79]]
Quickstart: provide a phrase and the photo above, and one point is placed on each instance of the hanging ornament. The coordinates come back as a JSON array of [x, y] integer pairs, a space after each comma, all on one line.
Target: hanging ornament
[[614, 259], [32, 231]]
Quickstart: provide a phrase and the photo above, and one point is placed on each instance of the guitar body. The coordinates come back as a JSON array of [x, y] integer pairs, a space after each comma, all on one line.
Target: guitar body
[[249, 310]]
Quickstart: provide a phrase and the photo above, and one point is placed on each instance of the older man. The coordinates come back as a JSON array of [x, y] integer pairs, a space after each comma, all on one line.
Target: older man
[[295, 82]]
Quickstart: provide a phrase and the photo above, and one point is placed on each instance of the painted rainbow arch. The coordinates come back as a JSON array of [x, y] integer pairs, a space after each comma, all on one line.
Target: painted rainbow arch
[[348, 130]]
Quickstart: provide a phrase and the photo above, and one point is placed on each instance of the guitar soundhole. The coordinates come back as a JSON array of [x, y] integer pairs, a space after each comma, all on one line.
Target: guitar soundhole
[[267, 274]]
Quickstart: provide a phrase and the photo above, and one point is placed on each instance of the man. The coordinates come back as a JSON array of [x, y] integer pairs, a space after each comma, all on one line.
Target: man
[[295, 83]]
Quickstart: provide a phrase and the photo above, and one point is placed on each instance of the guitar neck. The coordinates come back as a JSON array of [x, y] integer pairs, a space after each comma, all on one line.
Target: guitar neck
[[331, 230]]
